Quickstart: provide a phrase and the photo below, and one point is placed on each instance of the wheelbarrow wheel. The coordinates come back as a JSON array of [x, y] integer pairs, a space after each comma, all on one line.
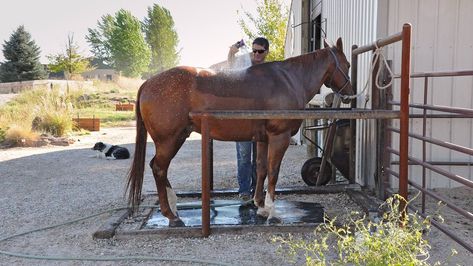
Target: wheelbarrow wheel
[[310, 171]]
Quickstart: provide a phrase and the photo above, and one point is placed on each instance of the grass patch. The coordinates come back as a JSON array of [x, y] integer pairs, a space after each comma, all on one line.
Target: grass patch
[[18, 136], [51, 111]]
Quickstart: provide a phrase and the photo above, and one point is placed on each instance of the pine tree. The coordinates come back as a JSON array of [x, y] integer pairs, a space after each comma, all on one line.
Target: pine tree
[[162, 39], [22, 58]]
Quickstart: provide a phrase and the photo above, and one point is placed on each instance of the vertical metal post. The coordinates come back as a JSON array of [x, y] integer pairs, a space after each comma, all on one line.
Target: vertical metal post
[[379, 102], [352, 149], [424, 132], [205, 176], [404, 117], [386, 136], [211, 163]]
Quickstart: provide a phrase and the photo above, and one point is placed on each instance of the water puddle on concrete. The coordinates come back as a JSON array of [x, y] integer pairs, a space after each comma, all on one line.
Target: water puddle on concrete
[[235, 212]]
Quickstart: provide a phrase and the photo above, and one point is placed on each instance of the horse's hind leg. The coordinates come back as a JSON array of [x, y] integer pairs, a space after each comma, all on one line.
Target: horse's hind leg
[[165, 151]]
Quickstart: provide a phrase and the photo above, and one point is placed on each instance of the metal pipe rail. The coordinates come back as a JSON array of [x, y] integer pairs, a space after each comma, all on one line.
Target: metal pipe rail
[[457, 178], [440, 74], [381, 42], [441, 143], [439, 116], [441, 227], [298, 114], [449, 163], [466, 214], [445, 230], [457, 110]]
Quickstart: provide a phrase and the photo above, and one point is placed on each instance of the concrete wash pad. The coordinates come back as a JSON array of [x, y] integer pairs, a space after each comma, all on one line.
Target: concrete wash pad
[[297, 208]]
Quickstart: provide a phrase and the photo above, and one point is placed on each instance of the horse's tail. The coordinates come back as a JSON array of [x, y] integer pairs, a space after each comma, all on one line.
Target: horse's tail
[[136, 172]]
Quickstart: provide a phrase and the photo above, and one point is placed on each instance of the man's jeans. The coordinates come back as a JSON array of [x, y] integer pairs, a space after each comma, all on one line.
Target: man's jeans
[[246, 168]]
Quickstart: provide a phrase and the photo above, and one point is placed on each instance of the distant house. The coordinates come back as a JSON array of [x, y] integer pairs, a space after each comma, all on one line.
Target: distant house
[[101, 74], [102, 71]]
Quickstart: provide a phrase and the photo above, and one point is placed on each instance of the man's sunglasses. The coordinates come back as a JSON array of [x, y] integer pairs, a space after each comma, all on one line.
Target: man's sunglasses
[[259, 51]]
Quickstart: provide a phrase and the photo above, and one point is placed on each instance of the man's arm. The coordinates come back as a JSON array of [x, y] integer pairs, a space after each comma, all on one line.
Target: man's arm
[[231, 55]]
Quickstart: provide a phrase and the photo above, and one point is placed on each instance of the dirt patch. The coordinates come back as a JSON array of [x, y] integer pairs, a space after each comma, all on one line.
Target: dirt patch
[[4, 98], [49, 185]]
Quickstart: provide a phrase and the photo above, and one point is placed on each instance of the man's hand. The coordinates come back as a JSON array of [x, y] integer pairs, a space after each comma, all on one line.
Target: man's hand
[[233, 49]]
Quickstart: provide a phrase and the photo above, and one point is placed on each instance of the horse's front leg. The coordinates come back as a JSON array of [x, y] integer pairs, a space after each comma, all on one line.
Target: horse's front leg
[[261, 172], [277, 146]]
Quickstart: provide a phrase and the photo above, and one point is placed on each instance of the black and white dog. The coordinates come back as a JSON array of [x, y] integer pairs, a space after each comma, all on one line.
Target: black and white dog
[[110, 152]]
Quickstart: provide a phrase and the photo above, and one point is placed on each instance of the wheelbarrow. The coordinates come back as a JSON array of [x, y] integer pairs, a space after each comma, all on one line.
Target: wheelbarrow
[[317, 171]]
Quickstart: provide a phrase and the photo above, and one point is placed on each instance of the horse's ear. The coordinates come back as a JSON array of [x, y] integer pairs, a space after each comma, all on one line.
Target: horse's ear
[[339, 44], [326, 45]]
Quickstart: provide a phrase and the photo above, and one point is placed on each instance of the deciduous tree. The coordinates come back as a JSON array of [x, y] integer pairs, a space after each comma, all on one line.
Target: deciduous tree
[[99, 39], [270, 22], [71, 62], [162, 39], [120, 41]]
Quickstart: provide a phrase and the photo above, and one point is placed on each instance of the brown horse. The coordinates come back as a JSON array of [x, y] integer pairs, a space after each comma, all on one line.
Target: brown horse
[[165, 100]]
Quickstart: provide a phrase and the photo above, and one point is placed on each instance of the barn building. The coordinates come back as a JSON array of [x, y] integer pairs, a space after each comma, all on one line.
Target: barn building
[[441, 41]]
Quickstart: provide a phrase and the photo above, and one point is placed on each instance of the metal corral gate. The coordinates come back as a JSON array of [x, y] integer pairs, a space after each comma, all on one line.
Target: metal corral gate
[[446, 113], [385, 132], [403, 115]]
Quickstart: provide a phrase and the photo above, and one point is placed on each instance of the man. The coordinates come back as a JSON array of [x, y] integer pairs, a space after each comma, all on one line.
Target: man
[[246, 172]]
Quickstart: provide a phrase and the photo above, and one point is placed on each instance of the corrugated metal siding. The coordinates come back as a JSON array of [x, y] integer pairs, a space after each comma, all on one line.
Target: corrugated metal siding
[[293, 44], [441, 41], [356, 22]]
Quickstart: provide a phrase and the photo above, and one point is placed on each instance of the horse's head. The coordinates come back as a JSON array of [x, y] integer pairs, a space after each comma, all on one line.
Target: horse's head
[[338, 79]]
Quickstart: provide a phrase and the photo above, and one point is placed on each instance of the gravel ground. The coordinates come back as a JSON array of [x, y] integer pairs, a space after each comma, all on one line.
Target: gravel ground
[[50, 185]]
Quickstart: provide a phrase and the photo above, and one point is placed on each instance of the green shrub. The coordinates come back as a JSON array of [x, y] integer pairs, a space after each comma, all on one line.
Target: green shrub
[[57, 124], [3, 132], [55, 113], [390, 241]]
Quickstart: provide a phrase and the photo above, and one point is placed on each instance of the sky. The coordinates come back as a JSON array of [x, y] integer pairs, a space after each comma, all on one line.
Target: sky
[[206, 28]]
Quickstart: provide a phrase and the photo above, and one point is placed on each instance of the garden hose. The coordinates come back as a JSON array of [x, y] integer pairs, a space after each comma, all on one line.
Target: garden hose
[[110, 258]]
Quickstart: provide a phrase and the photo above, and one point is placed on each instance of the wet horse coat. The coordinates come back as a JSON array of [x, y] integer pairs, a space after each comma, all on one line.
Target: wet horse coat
[[165, 101]]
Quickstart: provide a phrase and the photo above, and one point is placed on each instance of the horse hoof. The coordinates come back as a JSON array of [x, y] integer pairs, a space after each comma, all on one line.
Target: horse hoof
[[274, 220], [262, 212], [176, 223]]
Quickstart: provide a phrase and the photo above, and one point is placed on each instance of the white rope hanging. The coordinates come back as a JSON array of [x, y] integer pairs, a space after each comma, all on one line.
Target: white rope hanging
[[375, 57]]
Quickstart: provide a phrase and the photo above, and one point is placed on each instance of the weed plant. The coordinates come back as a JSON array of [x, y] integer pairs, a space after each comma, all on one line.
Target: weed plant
[[391, 240]]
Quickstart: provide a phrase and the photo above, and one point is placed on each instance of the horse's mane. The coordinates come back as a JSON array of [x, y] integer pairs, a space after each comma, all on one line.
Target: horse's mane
[[305, 58]]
